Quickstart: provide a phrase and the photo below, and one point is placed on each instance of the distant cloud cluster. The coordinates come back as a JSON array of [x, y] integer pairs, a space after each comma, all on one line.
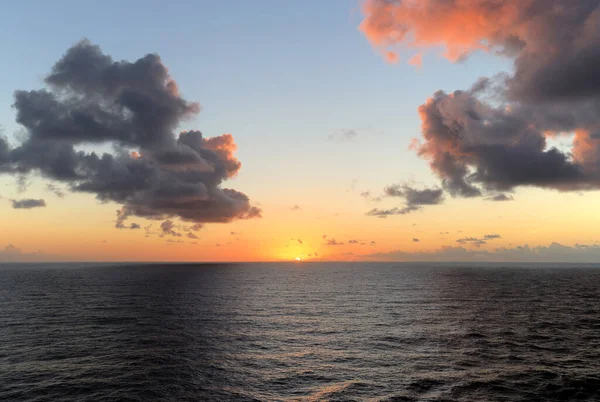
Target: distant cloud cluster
[[555, 252], [136, 107], [477, 242], [331, 241], [12, 253]]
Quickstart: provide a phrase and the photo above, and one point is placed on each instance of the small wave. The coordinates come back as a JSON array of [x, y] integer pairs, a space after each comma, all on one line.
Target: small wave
[[337, 391], [423, 385]]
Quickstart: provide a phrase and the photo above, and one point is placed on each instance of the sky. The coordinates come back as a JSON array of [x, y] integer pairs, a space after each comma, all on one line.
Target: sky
[[322, 131]]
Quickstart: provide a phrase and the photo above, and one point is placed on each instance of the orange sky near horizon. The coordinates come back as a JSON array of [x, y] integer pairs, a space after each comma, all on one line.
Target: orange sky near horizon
[[80, 228]]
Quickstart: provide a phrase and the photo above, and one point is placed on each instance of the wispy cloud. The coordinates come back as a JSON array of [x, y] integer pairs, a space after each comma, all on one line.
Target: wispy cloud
[[56, 190], [471, 240], [414, 199], [343, 135], [500, 197], [167, 227]]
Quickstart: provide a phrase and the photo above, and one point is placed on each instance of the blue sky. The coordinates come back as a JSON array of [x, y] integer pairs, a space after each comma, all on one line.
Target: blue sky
[[280, 76]]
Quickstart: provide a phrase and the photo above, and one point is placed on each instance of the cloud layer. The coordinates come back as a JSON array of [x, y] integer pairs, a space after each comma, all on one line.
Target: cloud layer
[[555, 252], [135, 107], [11, 253]]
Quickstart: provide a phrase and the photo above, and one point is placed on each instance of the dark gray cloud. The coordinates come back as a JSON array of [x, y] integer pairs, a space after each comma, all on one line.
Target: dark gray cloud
[[28, 203], [295, 208], [494, 136], [415, 240], [492, 236], [167, 228], [414, 199], [353, 241], [475, 147], [333, 242], [135, 107], [191, 235], [500, 197]]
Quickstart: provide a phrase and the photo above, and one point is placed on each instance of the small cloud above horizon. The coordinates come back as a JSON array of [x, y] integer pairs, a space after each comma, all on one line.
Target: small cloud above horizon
[[28, 203], [414, 199], [500, 197]]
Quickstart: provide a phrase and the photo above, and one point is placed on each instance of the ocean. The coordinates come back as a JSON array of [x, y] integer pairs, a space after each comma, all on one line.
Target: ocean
[[299, 332]]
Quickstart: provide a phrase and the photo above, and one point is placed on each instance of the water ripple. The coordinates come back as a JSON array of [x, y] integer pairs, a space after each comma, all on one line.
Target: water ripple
[[309, 332]]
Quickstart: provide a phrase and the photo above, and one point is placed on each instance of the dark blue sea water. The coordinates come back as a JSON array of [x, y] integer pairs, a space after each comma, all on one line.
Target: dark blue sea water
[[307, 332]]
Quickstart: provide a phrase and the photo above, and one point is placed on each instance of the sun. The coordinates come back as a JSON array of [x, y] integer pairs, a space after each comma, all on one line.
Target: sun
[[298, 259]]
